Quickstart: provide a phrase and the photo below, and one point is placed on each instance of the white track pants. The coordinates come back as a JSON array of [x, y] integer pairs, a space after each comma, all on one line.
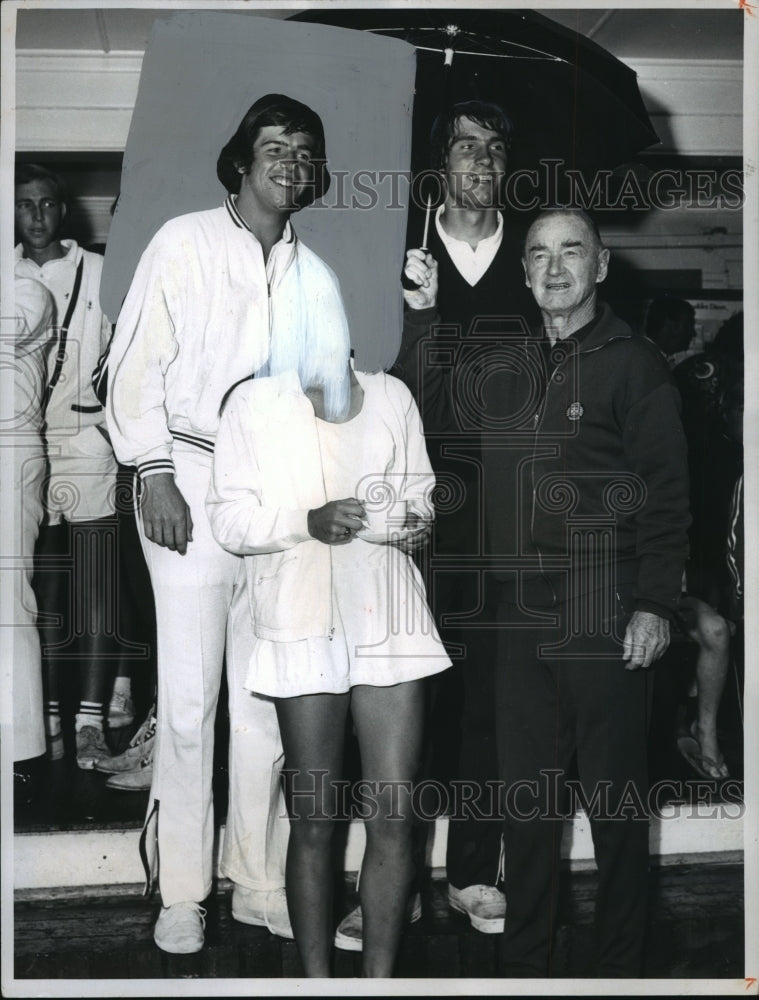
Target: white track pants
[[200, 604]]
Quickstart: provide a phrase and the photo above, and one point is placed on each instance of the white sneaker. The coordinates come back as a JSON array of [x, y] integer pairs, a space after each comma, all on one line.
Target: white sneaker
[[132, 759], [180, 928], [349, 935], [483, 904], [147, 729], [262, 908], [138, 780], [90, 747], [120, 711], [140, 746]]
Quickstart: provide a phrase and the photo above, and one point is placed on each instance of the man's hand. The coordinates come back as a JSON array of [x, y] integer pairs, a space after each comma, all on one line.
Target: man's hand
[[165, 514], [421, 268], [646, 639], [337, 522]]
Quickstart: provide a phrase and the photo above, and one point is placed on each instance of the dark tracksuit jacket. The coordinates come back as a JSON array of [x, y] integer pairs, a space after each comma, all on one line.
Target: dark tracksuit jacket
[[587, 430]]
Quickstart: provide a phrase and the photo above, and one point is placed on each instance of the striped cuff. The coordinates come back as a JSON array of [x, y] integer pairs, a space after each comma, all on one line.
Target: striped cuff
[[204, 444], [155, 467]]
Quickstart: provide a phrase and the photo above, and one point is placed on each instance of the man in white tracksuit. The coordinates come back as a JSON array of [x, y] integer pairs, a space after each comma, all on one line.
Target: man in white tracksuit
[[208, 298]]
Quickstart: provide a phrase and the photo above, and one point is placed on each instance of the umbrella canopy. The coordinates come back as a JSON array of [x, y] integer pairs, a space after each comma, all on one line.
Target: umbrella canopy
[[569, 98]]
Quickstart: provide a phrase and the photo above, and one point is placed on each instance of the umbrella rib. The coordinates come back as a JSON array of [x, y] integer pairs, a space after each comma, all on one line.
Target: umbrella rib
[[492, 55], [539, 53], [495, 55]]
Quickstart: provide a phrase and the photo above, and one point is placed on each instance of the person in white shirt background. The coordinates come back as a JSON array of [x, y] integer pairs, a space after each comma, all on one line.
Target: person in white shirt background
[[79, 495]]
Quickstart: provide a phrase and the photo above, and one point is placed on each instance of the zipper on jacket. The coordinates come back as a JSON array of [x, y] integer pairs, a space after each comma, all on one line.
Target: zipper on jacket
[[538, 414], [536, 423]]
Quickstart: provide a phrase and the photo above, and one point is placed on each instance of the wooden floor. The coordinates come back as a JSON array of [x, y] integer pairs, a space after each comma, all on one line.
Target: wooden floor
[[696, 931]]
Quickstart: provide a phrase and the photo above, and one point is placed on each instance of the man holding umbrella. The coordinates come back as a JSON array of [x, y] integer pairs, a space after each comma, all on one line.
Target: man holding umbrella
[[480, 291]]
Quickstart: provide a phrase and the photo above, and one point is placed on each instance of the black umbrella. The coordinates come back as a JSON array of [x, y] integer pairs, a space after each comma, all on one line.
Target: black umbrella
[[569, 98]]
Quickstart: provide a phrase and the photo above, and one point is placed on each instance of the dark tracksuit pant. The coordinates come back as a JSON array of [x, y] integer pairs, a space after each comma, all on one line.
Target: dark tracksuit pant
[[550, 706], [473, 850]]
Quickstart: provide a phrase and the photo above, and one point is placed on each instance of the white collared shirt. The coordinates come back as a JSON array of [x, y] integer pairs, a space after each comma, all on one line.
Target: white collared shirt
[[470, 263]]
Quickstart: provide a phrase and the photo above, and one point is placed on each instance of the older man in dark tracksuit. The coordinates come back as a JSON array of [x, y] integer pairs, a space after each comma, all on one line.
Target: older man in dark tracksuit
[[586, 490]]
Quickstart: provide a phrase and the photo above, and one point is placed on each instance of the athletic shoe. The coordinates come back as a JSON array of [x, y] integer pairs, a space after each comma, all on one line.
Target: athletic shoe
[[130, 760], [262, 908], [483, 904], [139, 779], [90, 747], [349, 935], [179, 928], [120, 711], [140, 746]]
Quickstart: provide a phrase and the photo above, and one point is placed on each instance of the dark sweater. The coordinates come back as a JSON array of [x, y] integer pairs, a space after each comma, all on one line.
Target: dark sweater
[[599, 439], [443, 355], [500, 292], [437, 365]]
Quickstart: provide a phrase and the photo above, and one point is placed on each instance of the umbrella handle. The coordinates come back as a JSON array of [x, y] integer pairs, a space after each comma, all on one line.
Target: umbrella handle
[[406, 282]]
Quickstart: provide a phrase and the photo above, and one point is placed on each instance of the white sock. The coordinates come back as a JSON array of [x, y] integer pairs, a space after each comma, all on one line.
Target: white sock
[[52, 718], [90, 714], [123, 685]]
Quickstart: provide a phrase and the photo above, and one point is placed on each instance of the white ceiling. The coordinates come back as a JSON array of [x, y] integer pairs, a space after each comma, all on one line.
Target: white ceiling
[[644, 33]]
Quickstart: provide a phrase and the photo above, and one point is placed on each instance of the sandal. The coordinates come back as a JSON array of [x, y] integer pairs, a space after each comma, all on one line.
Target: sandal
[[714, 770]]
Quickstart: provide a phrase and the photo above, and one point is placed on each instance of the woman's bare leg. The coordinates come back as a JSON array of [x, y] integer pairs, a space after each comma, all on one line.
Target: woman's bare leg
[[313, 733], [388, 723]]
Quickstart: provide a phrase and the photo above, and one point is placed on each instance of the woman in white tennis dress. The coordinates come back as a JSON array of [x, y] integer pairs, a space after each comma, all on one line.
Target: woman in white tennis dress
[[340, 618]]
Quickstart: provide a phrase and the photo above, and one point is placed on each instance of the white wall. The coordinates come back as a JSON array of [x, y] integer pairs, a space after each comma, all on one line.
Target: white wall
[[81, 101]]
